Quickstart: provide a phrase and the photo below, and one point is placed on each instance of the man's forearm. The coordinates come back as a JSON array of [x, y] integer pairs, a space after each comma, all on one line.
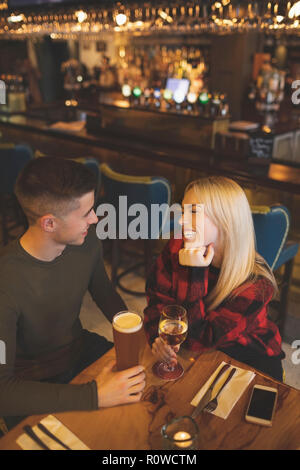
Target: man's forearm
[[21, 397]]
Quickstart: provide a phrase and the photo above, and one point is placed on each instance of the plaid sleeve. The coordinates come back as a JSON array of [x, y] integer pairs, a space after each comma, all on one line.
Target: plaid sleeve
[[241, 319], [159, 291]]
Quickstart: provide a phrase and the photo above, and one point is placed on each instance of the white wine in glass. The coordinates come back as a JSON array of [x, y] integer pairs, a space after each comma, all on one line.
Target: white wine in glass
[[173, 328]]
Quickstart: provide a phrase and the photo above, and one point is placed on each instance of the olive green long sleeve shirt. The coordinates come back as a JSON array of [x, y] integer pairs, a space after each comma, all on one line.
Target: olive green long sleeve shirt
[[40, 304]]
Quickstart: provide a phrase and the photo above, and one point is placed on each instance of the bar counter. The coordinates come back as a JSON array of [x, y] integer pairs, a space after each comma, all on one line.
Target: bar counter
[[138, 154]]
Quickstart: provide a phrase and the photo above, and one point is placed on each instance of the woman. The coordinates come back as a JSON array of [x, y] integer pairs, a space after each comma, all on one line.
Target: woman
[[219, 278]]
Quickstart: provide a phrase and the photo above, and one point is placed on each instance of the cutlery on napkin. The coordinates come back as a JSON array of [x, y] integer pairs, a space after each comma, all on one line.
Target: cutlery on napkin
[[55, 427], [231, 393], [209, 392]]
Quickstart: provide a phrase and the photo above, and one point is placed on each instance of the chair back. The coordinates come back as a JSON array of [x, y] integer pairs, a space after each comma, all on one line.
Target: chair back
[[12, 161], [93, 165], [142, 190], [271, 225]]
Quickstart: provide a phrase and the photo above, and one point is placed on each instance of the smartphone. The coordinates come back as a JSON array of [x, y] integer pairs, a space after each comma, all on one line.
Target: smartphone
[[262, 405]]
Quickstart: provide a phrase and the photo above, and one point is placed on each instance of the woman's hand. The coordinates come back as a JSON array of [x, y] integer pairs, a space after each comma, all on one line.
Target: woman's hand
[[197, 257], [165, 353]]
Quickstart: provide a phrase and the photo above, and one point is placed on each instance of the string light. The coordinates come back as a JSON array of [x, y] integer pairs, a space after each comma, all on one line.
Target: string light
[[15, 18], [221, 16]]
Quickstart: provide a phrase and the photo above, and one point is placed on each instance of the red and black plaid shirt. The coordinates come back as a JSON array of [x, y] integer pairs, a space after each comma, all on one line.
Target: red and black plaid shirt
[[241, 319]]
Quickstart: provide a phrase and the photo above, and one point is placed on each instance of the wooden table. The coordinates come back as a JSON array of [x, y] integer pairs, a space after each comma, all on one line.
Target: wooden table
[[137, 426]]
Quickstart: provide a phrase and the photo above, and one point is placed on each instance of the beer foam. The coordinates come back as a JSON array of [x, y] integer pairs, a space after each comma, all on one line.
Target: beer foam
[[127, 322]]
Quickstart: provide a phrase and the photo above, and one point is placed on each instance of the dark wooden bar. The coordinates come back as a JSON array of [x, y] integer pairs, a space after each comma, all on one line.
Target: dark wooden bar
[[120, 149]]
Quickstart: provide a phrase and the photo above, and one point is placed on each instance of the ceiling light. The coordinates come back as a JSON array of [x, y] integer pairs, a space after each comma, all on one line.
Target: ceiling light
[[15, 18], [295, 10], [81, 16], [165, 16], [121, 19]]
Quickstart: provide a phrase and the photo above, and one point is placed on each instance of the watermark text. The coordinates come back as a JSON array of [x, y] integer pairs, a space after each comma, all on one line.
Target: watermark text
[[296, 354], [2, 92], [138, 222], [296, 94], [2, 352]]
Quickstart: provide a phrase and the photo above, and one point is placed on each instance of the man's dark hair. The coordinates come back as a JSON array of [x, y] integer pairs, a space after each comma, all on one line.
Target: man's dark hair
[[52, 185]]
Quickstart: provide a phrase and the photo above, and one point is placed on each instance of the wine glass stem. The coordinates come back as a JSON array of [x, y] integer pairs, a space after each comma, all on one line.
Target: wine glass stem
[[168, 367]]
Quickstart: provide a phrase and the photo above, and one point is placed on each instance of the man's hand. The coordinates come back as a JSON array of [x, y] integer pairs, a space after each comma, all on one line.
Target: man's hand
[[197, 257], [165, 353], [116, 388]]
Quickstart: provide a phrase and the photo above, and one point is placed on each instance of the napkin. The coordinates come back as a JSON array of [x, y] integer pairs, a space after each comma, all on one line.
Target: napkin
[[59, 430], [230, 394]]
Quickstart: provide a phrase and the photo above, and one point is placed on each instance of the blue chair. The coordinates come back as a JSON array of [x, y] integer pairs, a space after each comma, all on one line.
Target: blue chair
[[271, 226], [93, 165], [12, 159], [144, 190]]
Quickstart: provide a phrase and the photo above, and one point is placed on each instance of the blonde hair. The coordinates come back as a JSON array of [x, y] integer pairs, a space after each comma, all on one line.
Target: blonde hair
[[227, 207]]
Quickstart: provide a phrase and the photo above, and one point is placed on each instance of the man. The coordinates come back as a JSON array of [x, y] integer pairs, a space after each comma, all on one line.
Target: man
[[43, 278]]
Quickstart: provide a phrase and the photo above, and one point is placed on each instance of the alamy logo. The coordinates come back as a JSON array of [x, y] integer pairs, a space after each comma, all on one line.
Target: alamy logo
[[296, 354], [2, 352], [296, 94], [137, 222], [2, 92]]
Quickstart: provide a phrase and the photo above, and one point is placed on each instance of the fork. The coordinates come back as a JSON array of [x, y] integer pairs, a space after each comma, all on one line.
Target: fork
[[212, 405]]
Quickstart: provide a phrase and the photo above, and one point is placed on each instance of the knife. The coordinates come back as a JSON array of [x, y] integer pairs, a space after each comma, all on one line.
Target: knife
[[49, 434], [208, 394], [30, 432]]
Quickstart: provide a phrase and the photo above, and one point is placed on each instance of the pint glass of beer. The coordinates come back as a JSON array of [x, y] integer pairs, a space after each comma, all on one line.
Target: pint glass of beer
[[127, 328]]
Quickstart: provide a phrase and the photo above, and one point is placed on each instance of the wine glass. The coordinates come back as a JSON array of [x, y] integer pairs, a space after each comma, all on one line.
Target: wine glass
[[173, 327]]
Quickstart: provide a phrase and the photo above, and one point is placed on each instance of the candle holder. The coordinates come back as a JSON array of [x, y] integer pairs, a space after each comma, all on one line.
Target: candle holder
[[180, 434]]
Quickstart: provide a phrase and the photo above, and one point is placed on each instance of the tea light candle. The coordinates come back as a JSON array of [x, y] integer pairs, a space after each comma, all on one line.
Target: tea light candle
[[182, 436]]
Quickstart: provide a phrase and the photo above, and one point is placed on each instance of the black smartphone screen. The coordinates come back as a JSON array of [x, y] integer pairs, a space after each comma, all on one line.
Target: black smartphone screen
[[262, 403]]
